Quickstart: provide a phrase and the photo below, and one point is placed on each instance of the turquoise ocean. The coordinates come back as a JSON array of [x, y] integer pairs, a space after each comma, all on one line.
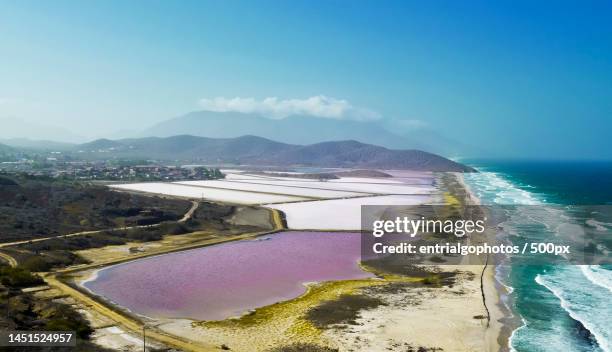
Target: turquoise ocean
[[553, 307]]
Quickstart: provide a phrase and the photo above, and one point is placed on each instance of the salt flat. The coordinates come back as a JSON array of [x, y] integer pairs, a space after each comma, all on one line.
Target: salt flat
[[220, 195], [294, 196], [365, 180], [339, 214], [360, 187], [272, 188], [241, 176]]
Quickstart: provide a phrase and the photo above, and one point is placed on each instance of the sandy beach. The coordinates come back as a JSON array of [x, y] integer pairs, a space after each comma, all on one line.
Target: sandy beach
[[448, 319]]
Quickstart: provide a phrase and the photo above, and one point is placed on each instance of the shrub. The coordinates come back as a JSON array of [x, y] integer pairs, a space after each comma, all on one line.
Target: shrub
[[35, 263], [18, 277]]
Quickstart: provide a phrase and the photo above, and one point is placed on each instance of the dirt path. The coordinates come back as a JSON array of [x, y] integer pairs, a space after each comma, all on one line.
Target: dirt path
[[10, 260], [189, 213], [185, 217]]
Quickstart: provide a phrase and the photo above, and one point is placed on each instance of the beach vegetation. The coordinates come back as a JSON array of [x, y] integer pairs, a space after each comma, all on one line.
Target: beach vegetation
[[303, 347], [343, 310]]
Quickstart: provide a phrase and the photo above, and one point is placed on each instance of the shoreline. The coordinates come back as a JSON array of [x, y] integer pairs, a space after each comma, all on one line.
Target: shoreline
[[493, 290]]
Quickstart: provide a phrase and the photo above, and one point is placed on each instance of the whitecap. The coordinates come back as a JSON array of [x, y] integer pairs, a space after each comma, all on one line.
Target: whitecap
[[598, 275], [583, 303]]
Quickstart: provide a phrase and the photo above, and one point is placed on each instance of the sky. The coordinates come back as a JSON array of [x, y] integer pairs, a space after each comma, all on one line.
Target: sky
[[514, 78]]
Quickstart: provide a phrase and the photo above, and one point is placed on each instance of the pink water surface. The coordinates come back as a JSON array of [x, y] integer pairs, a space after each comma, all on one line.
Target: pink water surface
[[217, 282]]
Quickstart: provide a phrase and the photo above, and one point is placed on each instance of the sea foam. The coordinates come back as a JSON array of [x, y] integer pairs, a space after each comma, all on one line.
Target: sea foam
[[583, 301], [598, 275]]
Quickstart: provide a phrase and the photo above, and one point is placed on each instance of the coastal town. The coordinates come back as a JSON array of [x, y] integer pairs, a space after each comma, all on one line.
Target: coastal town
[[110, 170]]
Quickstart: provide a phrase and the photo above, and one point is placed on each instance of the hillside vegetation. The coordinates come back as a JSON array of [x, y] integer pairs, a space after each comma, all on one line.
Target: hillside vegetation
[[39, 207]]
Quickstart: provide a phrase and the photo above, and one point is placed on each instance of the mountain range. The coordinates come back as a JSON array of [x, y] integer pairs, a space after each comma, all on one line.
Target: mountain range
[[230, 138], [258, 151], [295, 129], [298, 129]]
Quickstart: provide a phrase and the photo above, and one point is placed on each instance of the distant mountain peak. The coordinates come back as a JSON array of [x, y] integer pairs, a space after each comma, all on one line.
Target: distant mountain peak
[[297, 129]]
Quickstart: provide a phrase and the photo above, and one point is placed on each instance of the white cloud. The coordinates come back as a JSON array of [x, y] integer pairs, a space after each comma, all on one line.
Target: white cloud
[[275, 108]]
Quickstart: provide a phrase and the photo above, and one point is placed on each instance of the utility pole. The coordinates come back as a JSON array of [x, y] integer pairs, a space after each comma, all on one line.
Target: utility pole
[[8, 305], [144, 338]]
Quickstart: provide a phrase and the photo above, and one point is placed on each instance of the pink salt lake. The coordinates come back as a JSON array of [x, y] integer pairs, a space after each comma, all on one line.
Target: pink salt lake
[[225, 280]]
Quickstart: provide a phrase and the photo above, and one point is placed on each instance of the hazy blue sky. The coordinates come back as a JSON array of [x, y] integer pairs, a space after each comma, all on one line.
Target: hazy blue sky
[[529, 78]]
